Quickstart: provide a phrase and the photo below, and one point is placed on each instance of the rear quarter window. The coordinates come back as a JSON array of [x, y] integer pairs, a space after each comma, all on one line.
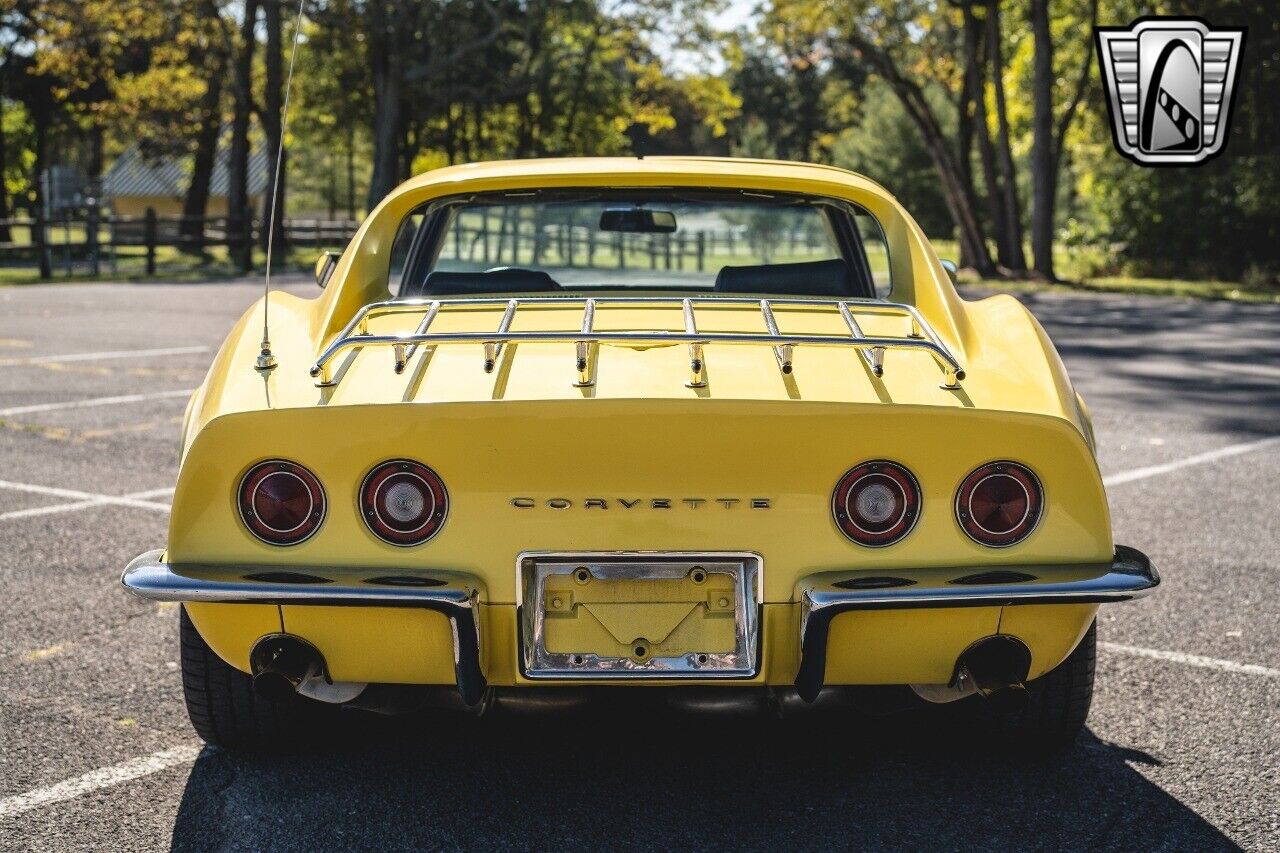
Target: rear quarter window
[[877, 249]]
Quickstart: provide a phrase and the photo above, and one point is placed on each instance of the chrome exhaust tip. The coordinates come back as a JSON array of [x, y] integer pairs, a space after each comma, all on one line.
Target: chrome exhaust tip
[[281, 664], [274, 686], [996, 664], [994, 667]]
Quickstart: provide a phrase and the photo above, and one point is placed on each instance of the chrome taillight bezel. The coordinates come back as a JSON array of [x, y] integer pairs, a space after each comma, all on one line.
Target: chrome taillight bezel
[[386, 529], [883, 471], [249, 491], [1014, 472]]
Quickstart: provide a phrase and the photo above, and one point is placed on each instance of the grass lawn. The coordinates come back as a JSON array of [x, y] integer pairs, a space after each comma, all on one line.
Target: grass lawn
[[130, 264], [1069, 267]]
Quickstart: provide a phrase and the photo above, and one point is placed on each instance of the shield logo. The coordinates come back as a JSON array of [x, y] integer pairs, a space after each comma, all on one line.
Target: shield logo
[[1170, 84]]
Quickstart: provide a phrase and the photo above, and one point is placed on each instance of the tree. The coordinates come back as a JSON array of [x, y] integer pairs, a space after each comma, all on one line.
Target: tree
[[1050, 133], [4, 158], [885, 144], [96, 53], [789, 83], [210, 59], [239, 214], [399, 46], [892, 42], [977, 49], [1010, 208], [1218, 220], [331, 105], [272, 118]]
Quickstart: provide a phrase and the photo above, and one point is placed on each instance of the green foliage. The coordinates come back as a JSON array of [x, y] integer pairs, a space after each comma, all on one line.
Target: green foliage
[[488, 79], [1219, 220], [18, 139], [794, 101], [884, 145]]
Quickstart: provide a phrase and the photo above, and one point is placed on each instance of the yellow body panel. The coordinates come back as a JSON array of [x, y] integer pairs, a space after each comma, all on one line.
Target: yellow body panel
[[904, 646], [524, 431], [1051, 631], [380, 644], [231, 629]]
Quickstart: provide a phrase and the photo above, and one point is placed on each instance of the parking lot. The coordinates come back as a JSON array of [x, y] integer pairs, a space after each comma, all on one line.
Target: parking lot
[[1182, 749]]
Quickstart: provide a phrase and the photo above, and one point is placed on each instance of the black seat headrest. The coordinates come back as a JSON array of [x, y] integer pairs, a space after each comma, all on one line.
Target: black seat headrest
[[810, 278], [446, 283]]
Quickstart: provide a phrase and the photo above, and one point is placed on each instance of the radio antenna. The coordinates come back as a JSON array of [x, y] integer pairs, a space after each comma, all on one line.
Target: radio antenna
[[266, 360]]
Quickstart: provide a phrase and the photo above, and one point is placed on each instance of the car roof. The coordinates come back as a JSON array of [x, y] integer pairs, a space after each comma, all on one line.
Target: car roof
[[685, 170]]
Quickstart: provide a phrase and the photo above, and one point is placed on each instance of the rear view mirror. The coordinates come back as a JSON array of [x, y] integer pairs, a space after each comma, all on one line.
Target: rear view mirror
[[637, 220], [325, 265], [952, 270]]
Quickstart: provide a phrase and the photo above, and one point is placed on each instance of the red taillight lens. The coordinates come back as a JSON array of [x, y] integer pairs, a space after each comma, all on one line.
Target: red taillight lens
[[877, 503], [281, 502], [403, 502], [999, 504]]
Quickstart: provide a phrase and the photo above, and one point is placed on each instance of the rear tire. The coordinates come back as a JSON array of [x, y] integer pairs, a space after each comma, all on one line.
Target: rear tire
[[1057, 703], [226, 711]]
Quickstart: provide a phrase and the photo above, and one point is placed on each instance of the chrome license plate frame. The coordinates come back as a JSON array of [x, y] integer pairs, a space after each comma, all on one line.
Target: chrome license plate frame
[[534, 567]]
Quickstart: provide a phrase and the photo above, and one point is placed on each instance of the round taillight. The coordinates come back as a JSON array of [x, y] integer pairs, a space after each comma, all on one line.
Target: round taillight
[[403, 502], [999, 504], [876, 503], [281, 502]]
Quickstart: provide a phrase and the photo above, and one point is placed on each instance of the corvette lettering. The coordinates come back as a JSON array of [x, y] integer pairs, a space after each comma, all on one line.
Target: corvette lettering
[[642, 503]]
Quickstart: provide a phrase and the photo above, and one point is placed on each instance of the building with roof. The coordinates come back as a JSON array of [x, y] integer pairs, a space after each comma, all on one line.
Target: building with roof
[[135, 182]]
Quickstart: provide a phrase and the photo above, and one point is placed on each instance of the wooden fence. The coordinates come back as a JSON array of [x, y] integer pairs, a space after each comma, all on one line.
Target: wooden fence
[[88, 244]]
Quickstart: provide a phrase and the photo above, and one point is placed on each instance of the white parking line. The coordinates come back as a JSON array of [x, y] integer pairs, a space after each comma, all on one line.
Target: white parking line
[[85, 497], [96, 780], [1198, 459], [85, 504], [1193, 660], [97, 356], [95, 401]]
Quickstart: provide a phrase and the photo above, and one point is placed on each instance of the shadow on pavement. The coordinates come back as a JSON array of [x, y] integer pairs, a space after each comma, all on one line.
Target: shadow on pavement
[[631, 779]]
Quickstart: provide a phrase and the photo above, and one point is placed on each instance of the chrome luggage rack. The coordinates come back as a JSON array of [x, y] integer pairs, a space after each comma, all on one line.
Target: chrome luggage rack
[[919, 335]]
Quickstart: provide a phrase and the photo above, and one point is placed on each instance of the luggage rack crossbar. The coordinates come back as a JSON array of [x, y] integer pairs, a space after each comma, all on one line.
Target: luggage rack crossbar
[[920, 337]]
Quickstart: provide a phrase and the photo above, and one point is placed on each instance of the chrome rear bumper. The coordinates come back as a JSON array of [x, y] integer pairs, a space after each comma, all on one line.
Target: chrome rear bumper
[[452, 594], [823, 596], [826, 595]]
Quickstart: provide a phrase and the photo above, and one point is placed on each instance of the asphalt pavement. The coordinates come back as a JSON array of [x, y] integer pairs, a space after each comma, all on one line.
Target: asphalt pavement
[[1182, 750]]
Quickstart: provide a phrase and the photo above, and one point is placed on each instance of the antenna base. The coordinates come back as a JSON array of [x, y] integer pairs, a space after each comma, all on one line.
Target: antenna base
[[266, 360]]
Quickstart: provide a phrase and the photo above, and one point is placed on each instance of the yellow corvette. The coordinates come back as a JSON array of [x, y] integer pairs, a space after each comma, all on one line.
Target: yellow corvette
[[680, 423]]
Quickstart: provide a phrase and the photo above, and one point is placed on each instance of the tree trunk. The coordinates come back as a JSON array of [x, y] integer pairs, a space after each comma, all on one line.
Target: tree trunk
[[5, 211], [959, 198], [331, 196], [196, 203], [579, 89], [960, 202], [970, 93], [272, 117], [386, 128], [238, 210], [1012, 214], [96, 153], [1044, 178], [1064, 124], [976, 60], [973, 245], [351, 172], [40, 120]]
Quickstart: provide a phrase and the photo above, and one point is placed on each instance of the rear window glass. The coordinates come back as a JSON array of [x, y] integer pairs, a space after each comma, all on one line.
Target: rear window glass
[[565, 240]]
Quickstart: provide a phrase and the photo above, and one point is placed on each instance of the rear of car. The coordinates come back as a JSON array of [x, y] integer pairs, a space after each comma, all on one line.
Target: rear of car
[[727, 436]]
